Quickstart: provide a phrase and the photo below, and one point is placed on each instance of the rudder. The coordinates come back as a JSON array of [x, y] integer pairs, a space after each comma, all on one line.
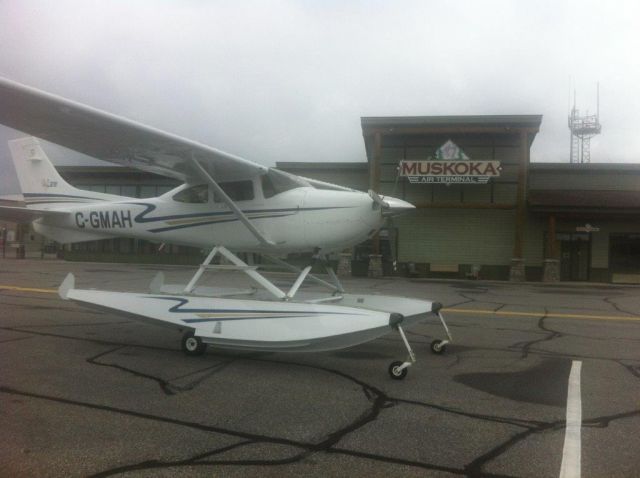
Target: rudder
[[39, 181]]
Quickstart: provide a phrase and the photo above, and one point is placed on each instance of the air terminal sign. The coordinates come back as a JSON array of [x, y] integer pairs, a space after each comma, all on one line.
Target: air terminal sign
[[450, 165]]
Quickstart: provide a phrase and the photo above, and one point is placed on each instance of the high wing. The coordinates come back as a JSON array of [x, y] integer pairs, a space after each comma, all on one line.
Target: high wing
[[115, 139], [23, 215]]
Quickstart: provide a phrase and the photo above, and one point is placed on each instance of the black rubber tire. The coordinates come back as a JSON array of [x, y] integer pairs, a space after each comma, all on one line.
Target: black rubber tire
[[437, 347], [393, 372], [192, 345]]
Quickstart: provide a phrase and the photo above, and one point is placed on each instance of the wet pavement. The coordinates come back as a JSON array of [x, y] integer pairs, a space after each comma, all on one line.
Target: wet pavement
[[87, 393]]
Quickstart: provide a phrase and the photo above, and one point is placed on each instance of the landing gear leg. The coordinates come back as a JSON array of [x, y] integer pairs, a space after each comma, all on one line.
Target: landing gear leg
[[439, 346], [398, 370]]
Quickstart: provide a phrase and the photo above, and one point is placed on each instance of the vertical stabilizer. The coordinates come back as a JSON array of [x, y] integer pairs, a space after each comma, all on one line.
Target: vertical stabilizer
[[40, 183]]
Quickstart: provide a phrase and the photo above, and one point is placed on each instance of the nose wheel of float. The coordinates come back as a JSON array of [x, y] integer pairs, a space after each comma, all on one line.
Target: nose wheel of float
[[397, 371], [438, 346]]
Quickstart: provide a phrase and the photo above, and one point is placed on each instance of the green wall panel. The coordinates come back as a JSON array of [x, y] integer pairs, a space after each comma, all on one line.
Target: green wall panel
[[505, 193], [456, 236]]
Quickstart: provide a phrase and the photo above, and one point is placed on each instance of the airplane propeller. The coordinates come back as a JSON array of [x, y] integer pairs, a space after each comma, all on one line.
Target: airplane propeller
[[390, 206], [378, 202]]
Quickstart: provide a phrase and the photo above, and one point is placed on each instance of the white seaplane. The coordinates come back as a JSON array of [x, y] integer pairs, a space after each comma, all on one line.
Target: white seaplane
[[226, 204]]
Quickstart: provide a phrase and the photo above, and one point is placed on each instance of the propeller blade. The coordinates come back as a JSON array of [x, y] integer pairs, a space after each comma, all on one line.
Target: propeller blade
[[378, 202]]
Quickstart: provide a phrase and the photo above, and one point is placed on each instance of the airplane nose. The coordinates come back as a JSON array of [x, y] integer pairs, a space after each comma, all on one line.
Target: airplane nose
[[396, 206]]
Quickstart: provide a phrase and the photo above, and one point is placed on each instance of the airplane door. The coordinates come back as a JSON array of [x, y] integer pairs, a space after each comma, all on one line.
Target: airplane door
[[575, 257]]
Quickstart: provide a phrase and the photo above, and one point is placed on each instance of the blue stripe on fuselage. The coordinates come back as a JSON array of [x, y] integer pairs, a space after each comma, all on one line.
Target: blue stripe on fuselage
[[141, 217]]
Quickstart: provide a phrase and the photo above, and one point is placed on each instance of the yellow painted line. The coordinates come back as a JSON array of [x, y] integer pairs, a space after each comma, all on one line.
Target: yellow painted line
[[28, 289], [451, 310], [538, 314]]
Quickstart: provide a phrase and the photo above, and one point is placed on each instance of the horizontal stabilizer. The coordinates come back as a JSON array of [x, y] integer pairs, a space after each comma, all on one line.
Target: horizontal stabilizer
[[23, 215]]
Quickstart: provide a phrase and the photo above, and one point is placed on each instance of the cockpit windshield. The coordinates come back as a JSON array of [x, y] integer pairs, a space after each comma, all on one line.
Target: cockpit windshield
[[276, 182]]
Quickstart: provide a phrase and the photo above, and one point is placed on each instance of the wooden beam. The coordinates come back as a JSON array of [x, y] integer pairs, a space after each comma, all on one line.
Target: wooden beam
[[521, 196], [467, 205], [374, 173], [375, 180], [400, 130], [551, 237]]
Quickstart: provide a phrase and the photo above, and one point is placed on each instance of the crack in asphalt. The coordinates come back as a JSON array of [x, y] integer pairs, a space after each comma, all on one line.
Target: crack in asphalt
[[473, 299], [15, 339], [165, 385], [151, 464], [550, 335], [85, 339], [462, 302], [632, 369], [605, 421], [610, 301], [501, 305]]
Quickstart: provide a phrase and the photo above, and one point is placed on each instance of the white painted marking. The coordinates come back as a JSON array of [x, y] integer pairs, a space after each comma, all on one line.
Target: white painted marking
[[571, 453]]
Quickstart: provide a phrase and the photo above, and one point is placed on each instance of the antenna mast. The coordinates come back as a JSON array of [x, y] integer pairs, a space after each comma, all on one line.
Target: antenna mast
[[583, 128]]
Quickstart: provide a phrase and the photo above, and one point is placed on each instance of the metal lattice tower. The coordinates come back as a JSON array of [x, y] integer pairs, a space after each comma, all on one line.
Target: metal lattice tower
[[583, 128]]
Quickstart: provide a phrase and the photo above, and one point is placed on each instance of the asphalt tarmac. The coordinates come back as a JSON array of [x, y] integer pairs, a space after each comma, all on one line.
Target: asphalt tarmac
[[87, 393]]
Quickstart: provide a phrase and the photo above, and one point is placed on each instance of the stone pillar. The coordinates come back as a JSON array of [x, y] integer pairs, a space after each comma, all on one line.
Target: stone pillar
[[516, 273], [344, 265], [551, 265], [375, 266], [551, 270]]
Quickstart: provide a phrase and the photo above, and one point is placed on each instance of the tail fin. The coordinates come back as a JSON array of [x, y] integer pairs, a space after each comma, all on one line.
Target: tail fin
[[40, 183]]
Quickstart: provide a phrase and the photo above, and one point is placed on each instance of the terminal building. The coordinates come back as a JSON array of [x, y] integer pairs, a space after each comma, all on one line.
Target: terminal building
[[551, 221], [483, 209]]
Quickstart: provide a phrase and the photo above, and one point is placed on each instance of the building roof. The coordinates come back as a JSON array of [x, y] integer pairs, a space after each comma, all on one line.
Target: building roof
[[585, 168], [401, 126], [574, 199], [510, 121]]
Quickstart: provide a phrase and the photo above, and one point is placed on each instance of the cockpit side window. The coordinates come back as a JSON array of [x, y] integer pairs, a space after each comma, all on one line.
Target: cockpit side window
[[236, 190], [276, 182], [194, 195]]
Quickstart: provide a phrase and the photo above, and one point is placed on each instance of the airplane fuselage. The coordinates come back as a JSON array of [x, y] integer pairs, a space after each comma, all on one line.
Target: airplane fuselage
[[300, 219]]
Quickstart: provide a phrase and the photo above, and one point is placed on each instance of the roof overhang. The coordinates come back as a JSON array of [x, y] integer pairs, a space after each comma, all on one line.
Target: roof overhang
[[448, 125], [581, 201]]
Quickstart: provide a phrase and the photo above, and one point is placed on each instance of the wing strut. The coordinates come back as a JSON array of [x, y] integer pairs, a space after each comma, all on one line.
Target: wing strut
[[238, 265], [265, 241], [336, 286]]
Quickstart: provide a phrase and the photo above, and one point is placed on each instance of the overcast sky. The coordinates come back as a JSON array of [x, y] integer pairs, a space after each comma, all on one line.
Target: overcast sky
[[289, 80]]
